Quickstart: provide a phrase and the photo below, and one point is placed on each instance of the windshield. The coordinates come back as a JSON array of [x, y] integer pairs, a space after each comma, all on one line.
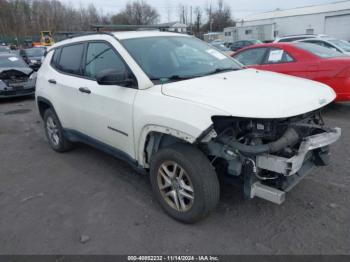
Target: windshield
[[11, 62], [177, 57], [319, 51], [341, 43], [35, 52]]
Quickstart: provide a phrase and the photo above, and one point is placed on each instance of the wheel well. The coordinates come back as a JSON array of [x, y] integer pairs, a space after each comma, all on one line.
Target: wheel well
[[156, 141], [43, 106]]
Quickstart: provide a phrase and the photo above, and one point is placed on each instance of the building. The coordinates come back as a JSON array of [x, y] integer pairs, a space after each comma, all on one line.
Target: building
[[175, 27], [209, 37], [329, 19]]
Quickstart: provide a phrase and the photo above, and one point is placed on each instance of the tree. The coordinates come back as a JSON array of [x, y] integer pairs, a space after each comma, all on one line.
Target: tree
[[219, 17], [137, 13], [198, 21], [22, 18]]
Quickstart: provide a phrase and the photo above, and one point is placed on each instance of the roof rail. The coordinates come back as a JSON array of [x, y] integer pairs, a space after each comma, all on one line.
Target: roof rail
[[98, 28]]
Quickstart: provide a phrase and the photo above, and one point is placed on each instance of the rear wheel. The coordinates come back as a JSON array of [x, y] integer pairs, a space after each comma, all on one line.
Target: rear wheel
[[54, 132], [184, 182]]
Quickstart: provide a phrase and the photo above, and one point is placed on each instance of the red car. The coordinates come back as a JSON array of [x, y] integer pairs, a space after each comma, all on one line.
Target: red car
[[303, 60]]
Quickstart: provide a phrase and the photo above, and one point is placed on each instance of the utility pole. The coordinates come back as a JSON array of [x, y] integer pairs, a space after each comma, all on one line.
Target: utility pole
[[210, 22], [191, 21], [183, 15]]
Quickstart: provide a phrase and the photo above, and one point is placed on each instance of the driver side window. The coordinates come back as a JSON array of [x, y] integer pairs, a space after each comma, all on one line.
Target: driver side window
[[101, 57]]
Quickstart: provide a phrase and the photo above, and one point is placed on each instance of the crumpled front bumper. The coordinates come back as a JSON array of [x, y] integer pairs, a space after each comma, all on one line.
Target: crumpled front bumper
[[291, 166], [23, 89], [293, 169]]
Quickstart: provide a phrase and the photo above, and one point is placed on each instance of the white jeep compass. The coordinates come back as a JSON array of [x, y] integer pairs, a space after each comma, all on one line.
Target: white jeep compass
[[187, 114]]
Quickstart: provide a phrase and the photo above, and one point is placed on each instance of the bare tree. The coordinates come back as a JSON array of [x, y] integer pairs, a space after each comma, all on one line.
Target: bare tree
[[220, 17], [21, 18], [198, 14], [137, 13]]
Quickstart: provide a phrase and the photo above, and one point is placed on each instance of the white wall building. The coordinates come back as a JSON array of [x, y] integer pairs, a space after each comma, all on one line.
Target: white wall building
[[330, 19], [175, 27]]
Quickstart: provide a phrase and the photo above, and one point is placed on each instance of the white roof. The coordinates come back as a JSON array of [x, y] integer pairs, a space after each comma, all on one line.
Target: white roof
[[119, 35], [139, 34], [307, 10]]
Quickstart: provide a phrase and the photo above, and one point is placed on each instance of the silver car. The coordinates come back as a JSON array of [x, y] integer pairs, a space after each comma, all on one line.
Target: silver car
[[16, 77]]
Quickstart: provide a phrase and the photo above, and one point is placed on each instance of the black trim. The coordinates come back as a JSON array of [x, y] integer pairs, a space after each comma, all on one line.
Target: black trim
[[45, 101], [204, 134], [118, 131], [76, 136]]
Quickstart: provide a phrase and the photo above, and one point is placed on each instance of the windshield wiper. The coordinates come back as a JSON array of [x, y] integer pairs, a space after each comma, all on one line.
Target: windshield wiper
[[173, 78], [221, 70], [179, 77]]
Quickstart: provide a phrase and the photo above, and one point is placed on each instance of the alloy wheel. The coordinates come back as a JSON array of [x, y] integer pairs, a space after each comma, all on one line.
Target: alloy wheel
[[52, 131], [175, 186]]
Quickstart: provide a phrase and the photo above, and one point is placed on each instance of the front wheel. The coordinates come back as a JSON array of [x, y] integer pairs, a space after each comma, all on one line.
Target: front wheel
[[184, 182]]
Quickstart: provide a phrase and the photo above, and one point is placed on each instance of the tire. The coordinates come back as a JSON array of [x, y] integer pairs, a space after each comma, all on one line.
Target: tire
[[54, 132], [197, 174]]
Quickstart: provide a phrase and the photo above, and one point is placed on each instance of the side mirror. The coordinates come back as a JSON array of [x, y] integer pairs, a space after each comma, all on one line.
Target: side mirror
[[113, 77]]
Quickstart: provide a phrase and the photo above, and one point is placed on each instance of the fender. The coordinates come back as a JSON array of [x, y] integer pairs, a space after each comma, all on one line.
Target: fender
[[159, 129]]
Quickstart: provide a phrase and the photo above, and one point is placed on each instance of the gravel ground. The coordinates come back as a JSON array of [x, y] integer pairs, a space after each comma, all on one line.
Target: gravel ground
[[87, 202]]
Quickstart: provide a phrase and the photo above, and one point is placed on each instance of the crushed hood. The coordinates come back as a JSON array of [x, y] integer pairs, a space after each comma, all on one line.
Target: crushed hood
[[8, 73], [253, 94]]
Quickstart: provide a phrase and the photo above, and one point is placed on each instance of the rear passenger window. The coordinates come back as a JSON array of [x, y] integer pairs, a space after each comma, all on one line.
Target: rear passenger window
[[277, 55], [70, 60], [102, 57]]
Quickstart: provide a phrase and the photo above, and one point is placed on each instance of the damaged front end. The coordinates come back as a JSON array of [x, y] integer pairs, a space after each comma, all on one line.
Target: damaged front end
[[15, 82], [269, 156]]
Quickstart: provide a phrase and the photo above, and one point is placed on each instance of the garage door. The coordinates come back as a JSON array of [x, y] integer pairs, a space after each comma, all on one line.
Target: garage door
[[338, 26]]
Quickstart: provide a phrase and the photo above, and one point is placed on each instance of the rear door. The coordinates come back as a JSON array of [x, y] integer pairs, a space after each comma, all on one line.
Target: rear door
[[281, 61], [63, 83]]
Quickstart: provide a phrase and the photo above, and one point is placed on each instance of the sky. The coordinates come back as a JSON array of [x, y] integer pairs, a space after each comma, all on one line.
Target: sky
[[168, 9]]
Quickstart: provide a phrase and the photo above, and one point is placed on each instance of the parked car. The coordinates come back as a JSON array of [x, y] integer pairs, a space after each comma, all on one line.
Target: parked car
[[185, 121], [222, 48], [235, 46], [303, 60], [4, 49], [16, 77], [341, 46], [33, 56], [293, 38]]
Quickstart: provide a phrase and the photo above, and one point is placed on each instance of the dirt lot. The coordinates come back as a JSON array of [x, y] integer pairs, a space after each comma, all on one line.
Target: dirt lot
[[87, 202]]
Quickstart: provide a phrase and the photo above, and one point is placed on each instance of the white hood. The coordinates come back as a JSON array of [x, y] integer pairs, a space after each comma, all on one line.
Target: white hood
[[253, 94]]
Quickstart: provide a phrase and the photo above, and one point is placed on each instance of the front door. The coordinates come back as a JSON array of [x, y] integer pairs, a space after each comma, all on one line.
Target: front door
[[106, 110]]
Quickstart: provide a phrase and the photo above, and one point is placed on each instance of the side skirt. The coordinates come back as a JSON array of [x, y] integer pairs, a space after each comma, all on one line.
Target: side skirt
[[76, 136]]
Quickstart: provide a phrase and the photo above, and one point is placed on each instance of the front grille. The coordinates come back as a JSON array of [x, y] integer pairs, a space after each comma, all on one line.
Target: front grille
[[16, 80]]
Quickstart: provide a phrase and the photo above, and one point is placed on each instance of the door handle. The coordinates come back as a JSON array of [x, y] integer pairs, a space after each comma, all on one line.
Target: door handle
[[85, 90], [52, 81]]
